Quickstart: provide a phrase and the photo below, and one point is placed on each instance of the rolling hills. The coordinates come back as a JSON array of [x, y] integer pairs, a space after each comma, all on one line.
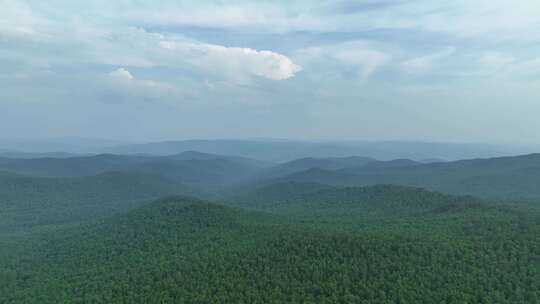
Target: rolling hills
[[188, 167], [94, 229], [506, 177], [180, 249]]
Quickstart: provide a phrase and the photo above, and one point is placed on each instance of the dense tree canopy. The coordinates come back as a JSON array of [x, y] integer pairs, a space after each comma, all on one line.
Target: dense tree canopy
[[383, 244]]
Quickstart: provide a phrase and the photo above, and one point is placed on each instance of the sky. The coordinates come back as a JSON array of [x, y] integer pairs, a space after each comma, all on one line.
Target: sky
[[141, 70]]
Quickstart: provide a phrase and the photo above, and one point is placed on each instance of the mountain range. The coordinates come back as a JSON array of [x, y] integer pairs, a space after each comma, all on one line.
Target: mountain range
[[273, 150]]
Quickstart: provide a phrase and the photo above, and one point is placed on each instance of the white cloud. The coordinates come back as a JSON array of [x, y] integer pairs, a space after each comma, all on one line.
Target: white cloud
[[124, 77], [425, 62], [122, 74], [237, 63]]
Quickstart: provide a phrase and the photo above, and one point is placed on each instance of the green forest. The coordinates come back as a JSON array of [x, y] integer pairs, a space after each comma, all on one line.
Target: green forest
[[134, 237]]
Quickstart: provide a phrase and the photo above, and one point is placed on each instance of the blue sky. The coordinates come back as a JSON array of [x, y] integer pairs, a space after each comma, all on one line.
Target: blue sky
[[459, 71]]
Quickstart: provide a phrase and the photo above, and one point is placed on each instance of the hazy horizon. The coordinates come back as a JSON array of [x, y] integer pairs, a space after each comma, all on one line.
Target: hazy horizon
[[273, 150]]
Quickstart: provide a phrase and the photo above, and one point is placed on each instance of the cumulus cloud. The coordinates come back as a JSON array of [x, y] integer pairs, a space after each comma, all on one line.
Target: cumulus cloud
[[121, 74], [236, 62]]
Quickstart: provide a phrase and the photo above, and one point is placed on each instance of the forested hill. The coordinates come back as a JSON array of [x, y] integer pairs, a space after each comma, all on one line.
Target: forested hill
[[161, 251], [385, 201], [183, 250]]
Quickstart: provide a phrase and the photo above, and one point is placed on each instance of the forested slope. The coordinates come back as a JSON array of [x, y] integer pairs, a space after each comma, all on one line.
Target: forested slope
[[302, 164], [181, 250], [500, 178], [29, 201]]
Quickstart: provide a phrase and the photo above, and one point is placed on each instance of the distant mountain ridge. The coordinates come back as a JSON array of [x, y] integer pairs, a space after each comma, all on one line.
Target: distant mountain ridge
[[195, 155], [75, 145], [188, 167], [506, 177], [329, 163], [288, 150], [24, 155]]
